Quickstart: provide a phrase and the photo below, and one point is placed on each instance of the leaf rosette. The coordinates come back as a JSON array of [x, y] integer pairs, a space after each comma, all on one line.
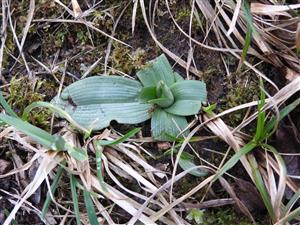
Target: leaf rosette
[[162, 95]]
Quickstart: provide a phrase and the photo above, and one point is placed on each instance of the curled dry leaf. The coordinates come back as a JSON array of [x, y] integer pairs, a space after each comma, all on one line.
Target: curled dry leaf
[[286, 142], [4, 166], [249, 195]]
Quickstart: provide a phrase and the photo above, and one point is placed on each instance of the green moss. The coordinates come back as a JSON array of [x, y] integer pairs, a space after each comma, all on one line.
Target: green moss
[[60, 36], [24, 92], [125, 60], [183, 13], [224, 217], [240, 89]]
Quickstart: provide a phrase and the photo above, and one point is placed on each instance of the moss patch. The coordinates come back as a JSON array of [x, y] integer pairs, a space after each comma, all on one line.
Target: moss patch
[[24, 92]]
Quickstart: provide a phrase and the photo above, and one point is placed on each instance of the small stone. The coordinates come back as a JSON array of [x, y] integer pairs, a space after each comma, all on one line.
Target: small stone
[[163, 145]]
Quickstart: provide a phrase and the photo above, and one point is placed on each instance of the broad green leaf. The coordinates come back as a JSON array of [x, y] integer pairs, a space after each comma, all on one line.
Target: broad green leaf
[[189, 90], [178, 77], [184, 108], [90, 208], [94, 102], [186, 162], [157, 70], [102, 89], [164, 124]]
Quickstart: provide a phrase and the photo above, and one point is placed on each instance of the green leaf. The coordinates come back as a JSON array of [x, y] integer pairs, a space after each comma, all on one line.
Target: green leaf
[[189, 90], [122, 139], [235, 158], [155, 71], [54, 109], [53, 188], [178, 77], [292, 202], [261, 119], [98, 150], [77, 153], [184, 108], [271, 125], [196, 215], [260, 185], [164, 124], [90, 208], [75, 199], [37, 134], [147, 93], [95, 101], [186, 162], [164, 94], [53, 142], [210, 108], [250, 30], [6, 106]]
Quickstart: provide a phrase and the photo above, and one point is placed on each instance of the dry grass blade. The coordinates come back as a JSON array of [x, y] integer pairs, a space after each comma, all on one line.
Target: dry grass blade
[[76, 9], [48, 163], [259, 8], [28, 23], [134, 10], [235, 16], [3, 33]]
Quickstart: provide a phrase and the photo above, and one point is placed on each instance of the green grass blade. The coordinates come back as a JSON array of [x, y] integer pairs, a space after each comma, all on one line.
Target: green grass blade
[[39, 135], [53, 188], [259, 183], [271, 126], [99, 149], [6, 106], [54, 142], [75, 199], [79, 154], [250, 29], [121, 139], [54, 109], [234, 159], [291, 216], [186, 162], [90, 208], [261, 119], [13, 222], [291, 202]]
